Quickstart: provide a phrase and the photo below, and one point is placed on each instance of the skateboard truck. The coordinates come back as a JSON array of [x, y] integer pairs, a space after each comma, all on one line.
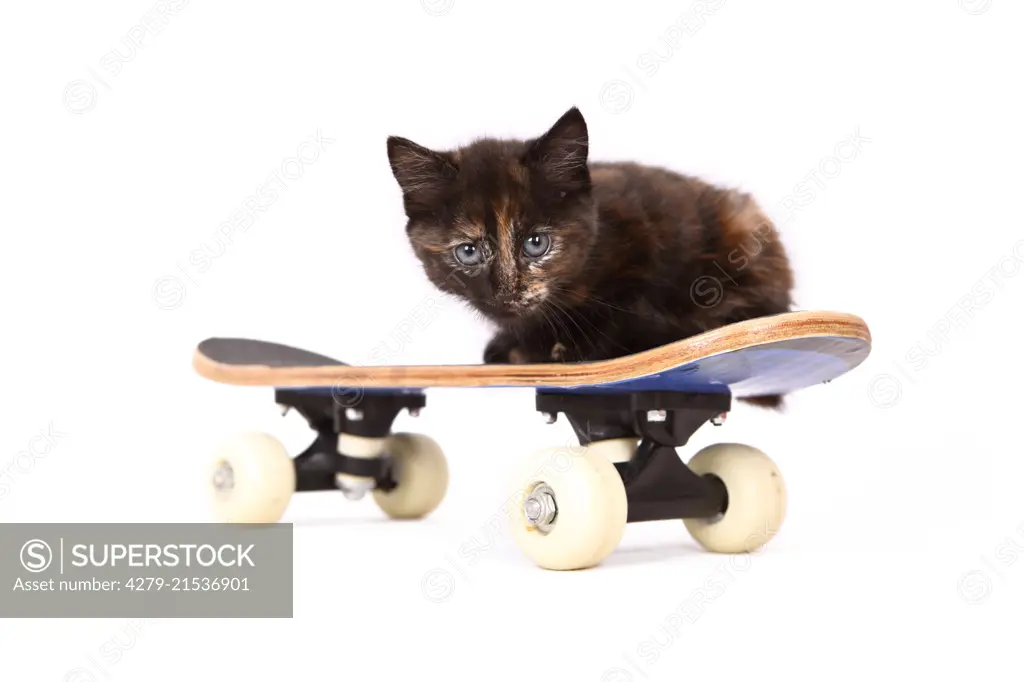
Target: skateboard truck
[[322, 466], [659, 485]]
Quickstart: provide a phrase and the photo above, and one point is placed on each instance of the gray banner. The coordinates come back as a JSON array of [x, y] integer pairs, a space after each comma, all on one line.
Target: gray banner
[[136, 570]]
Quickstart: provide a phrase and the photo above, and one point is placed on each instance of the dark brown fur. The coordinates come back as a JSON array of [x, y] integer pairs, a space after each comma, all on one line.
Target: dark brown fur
[[639, 256]]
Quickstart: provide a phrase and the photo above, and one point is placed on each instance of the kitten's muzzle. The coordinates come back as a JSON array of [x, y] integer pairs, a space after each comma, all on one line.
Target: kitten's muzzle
[[509, 305]]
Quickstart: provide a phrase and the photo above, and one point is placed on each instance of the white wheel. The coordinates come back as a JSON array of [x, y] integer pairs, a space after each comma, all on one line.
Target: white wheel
[[252, 479], [614, 450], [421, 471], [570, 508], [756, 504]]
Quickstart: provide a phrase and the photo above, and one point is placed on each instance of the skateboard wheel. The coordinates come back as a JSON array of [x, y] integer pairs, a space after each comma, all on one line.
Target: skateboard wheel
[[570, 508], [252, 479], [756, 505], [421, 473]]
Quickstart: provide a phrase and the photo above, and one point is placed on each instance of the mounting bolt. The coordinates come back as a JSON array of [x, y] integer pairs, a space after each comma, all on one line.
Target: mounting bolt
[[540, 508], [656, 415], [718, 419], [224, 477], [550, 417], [353, 415]]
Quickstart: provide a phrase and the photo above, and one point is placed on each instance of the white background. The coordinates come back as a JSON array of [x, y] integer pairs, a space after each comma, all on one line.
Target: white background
[[904, 476]]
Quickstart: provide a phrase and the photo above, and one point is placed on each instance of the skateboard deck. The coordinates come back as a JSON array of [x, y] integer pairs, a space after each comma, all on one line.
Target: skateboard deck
[[771, 355]]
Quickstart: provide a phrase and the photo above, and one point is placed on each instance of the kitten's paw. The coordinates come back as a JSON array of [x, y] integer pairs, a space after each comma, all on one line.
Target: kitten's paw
[[502, 350], [517, 357], [558, 352]]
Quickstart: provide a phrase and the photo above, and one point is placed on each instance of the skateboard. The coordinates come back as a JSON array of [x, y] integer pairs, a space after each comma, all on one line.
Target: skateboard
[[571, 504]]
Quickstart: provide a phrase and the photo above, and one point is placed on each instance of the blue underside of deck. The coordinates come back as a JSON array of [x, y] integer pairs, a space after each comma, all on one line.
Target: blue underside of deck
[[761, 370]]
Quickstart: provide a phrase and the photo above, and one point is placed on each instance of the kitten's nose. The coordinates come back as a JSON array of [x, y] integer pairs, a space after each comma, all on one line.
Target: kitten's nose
[[506, 299]]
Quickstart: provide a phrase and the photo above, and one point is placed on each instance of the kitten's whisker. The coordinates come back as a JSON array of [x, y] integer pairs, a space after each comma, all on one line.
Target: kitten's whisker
[[594, 299], [554, 315], [568, 336], [572, 319], [596, 328], [543, 312]]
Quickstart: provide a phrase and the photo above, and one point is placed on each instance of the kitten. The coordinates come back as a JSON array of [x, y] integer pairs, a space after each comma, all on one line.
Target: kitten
[[580, 261]]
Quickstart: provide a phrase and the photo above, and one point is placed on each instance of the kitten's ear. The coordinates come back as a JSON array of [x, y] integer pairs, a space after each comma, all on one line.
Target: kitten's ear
[[424, 175], [560, 154]]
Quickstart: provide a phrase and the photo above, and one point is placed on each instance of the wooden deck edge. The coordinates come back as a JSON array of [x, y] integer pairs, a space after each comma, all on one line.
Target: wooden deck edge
[[734, 337]]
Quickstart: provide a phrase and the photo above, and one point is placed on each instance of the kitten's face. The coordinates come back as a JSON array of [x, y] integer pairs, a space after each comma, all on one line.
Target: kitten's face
[[506, 225]]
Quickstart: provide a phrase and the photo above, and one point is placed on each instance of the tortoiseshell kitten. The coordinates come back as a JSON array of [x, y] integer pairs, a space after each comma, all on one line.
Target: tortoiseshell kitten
[[580, 261]]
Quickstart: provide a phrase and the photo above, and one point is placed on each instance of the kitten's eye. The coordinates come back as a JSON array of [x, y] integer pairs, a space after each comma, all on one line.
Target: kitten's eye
[[536, 245], [468, 254]]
